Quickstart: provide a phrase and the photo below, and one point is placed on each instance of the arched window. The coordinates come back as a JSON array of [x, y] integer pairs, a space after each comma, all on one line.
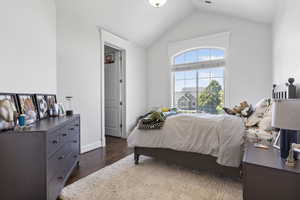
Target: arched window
[[198, 80], [199, 55]]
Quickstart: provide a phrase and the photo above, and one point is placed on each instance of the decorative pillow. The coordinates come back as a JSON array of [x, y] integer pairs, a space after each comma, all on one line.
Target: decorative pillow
[[157, 116], [253, 120], [265, 124], [261, 109], [263, 103]]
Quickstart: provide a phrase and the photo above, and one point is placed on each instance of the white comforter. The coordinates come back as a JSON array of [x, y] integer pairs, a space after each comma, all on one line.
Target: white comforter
[[221, 136]]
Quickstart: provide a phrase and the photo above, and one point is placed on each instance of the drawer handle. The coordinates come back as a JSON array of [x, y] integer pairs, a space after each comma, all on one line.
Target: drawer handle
[[75, 156], [61, 157], [64, 135], [71, 129], [60, 178], [77, 125], [54, 142], [75, 141]]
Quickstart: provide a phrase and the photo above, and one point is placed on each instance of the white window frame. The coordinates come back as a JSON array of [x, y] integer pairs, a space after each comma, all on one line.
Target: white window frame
[[214, 63]]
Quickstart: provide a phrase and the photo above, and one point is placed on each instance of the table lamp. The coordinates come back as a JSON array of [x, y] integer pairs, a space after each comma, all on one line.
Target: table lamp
[[286, 117]]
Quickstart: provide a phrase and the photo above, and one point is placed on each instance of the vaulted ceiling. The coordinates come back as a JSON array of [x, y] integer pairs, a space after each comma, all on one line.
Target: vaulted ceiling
[[137, 21], [256, 10]]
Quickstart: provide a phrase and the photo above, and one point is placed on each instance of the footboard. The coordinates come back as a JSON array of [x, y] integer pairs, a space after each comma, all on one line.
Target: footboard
[[187, 159]]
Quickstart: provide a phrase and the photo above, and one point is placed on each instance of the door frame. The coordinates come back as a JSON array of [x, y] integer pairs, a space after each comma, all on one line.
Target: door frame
[[122, 53], [109, 39]]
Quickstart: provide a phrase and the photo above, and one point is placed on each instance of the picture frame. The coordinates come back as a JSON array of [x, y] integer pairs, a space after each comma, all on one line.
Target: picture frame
[[109, 59], [51, 101], [42, 106], [8, 111], [27, 106]]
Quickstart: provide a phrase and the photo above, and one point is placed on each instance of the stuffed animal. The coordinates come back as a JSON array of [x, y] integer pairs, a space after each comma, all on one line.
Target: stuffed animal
[[247, 111], [244, 110], [241, 107]]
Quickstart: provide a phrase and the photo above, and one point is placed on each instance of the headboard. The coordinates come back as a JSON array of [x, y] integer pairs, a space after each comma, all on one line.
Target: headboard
[[286, 91]]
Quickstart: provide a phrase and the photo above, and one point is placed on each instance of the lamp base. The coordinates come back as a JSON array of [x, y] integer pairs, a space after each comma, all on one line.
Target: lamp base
[[290, 163], [287, 137]]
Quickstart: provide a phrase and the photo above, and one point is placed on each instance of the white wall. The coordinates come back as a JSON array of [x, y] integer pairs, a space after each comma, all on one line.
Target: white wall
[[28, 46], [79, 70], [248, 64], [286, 41]]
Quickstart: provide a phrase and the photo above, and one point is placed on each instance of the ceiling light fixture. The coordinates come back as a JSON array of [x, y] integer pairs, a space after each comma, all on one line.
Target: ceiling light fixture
[[157, 3]]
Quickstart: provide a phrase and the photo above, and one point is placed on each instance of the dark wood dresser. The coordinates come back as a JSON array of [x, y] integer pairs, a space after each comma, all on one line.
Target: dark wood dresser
[[266, 177], [36, 163]]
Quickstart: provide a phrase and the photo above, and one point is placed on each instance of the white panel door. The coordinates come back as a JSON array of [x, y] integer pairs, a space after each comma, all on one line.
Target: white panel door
[[113, 98]]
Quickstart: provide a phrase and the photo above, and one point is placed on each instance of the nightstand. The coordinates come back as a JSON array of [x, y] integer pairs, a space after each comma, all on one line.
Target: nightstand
[[265, 176]]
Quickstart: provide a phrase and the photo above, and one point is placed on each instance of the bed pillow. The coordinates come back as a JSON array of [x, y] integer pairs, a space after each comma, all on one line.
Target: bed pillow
[[266, 122], [263, 103], [253, 120], [260, 109]]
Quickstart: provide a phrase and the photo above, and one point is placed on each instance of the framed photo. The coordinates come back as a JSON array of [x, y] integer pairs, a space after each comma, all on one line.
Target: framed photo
[[109, 59], [8, 111], [51, 101], [27, 106], [42, 106]]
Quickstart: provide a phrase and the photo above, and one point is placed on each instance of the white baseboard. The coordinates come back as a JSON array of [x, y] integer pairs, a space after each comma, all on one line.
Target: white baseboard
[[91, 147]]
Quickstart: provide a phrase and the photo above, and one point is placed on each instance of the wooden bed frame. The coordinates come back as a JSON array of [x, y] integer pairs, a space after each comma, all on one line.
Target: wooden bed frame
[[286, 91], [187, 159], [206, 162]]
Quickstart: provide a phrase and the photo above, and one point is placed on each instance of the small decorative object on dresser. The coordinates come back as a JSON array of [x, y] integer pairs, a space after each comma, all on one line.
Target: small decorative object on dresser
[[27, 107], [61, 110], [286, 115], [69, 111], [8, 111]]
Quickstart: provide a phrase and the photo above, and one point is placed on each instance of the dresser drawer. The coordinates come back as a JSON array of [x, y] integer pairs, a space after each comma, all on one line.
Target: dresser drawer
[[75, 149], [53, 142], [56, 185], [69, 132], [57, 161], [70, 161], [57, 182]]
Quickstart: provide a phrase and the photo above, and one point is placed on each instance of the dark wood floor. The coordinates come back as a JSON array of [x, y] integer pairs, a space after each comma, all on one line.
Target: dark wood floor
[[116, 149]]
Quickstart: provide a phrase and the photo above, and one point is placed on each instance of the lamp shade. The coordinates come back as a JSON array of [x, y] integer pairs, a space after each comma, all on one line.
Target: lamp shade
[[286, 114]]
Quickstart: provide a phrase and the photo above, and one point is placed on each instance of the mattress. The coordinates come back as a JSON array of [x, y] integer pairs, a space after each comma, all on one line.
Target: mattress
[[221, 136]]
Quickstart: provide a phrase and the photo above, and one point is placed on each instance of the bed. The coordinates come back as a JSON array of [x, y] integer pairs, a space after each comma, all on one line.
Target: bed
[[190, 145]]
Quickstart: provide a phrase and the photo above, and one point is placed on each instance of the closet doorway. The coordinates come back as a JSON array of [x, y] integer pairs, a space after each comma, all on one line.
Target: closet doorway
[[114, 91]]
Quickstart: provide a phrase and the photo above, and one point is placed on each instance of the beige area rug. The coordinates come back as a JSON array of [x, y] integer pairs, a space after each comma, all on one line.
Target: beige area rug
[[151, 180]]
